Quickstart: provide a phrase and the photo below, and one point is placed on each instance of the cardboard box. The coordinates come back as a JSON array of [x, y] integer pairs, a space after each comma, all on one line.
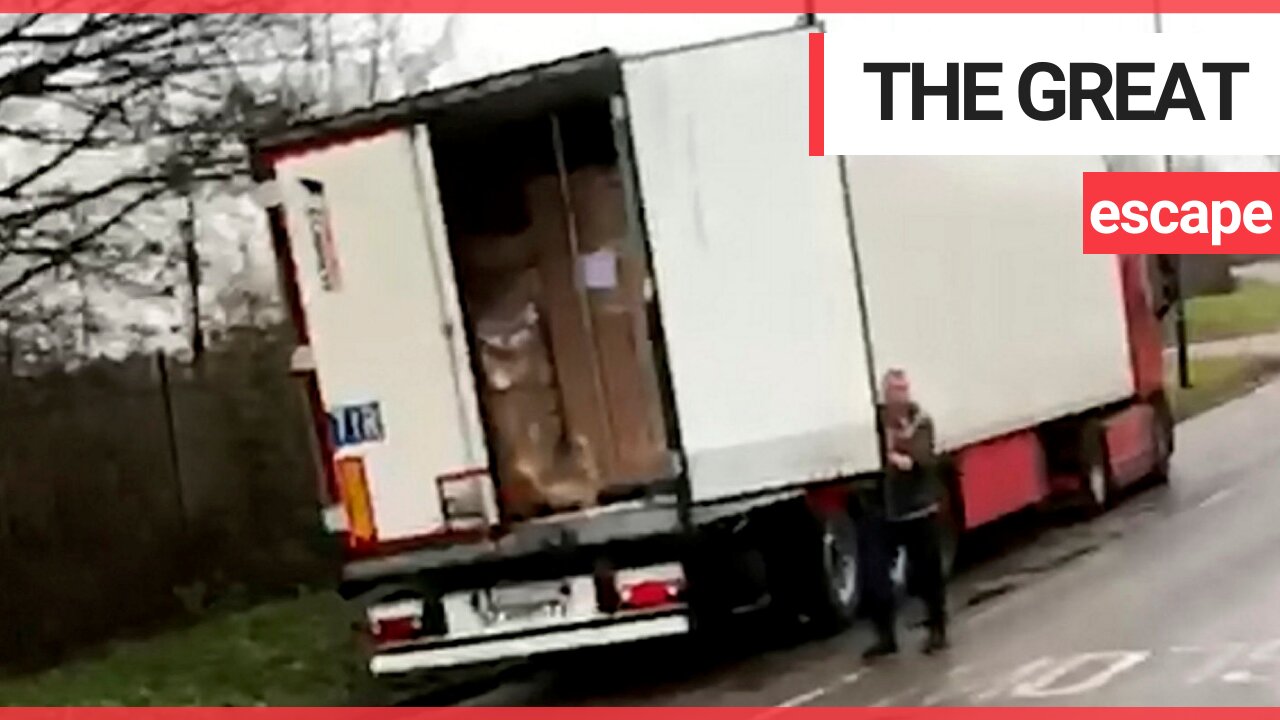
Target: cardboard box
[[620, 321], [574, 352], [571, 390]]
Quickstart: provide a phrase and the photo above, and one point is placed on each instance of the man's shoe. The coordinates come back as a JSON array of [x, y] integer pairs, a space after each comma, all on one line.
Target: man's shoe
[[882, 648], [936, 642]]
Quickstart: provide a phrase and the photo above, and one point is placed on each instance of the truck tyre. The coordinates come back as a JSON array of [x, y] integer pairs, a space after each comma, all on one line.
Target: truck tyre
[[1095, 468], [1162, 442], [830, 597]]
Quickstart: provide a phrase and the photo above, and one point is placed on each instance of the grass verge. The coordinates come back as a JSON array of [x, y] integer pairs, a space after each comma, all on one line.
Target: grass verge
[[292, 652], [1252, 309], [1216, 380]]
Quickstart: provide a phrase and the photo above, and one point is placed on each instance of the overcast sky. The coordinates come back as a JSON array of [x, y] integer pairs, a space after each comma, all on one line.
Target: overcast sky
[[492, 43]]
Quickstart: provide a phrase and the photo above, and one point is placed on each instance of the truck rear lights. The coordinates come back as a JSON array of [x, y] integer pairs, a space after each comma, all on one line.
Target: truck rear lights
[[650, 587], [651, 594], [395, 630], [396, 622], [353, 486]]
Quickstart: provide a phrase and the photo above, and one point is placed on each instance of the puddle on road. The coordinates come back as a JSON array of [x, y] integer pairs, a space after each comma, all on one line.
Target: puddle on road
[[1021, 554], [986, 591], [990, 593]]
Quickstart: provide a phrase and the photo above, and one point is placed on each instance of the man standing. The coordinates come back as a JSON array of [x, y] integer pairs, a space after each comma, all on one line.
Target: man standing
[[904, 514]]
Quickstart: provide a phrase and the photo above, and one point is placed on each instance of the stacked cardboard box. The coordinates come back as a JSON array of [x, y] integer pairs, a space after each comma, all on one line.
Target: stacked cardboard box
[[576, 360], [538, 466], [570, 389], [618, 307]]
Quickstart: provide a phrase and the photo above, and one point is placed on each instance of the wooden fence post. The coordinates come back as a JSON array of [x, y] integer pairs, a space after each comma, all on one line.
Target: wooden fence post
[[171, 436]]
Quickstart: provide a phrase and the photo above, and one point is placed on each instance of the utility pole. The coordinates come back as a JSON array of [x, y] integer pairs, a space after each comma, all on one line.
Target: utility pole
[[1179, 307], [192, 260]]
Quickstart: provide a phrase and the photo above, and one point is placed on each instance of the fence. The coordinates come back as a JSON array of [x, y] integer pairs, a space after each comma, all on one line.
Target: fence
[[136, 493]]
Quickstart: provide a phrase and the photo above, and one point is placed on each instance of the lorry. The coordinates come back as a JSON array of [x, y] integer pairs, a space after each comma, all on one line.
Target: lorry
[[594, 347]]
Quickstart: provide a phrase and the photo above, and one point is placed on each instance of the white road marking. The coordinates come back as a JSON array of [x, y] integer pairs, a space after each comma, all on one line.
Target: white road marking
[[851, 678], [888, 700], [1044, 676], [1019, 674], [1239, 677], [1219, 658], [949, 687], [1114, 663], [807, 697], [804, 698], [1266, 652], [1215, 498]]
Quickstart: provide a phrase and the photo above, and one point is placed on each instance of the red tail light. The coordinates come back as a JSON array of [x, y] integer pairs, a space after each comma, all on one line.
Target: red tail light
[[394, 630], [650, 594], [396, 621]]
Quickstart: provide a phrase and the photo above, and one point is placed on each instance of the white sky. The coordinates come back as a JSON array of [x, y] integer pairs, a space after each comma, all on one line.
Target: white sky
[[487, 44], [493, 43]]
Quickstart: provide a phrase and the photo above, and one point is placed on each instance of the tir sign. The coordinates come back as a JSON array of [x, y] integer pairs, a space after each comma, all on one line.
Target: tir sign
[[356, 425]]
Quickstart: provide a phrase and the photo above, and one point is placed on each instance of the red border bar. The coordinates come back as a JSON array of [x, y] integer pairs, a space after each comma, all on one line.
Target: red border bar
[[816, 106], [652, 6]]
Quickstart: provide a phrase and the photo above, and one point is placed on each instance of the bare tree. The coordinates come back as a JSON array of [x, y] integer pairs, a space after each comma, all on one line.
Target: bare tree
[[110, 124], [101, 116]]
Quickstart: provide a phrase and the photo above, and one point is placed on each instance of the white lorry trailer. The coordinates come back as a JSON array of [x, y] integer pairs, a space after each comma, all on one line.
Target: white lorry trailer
[[594, 346]]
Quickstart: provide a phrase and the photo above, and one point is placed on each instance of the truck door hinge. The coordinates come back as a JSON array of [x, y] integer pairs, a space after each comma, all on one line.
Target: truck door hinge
[[618, 107], [303, 360]]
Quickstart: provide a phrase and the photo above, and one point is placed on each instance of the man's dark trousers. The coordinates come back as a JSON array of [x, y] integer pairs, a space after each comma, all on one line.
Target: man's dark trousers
[[880, 542]]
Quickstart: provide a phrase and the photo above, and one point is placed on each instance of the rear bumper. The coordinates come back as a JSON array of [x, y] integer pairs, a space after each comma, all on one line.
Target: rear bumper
[[473, 651]]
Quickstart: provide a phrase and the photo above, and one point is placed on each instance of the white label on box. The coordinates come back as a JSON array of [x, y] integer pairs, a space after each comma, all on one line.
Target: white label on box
[[599, 270]]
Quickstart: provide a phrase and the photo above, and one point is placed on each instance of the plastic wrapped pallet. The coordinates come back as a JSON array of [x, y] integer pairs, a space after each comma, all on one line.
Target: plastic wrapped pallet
[[537, 462]]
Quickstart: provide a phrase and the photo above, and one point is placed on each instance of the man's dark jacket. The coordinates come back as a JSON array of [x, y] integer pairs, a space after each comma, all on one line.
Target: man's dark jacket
[[907, 494]]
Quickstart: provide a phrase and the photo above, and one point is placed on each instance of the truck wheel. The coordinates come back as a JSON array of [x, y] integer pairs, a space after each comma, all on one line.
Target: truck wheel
[[1162, 442], [1095, 470], [831, 599]]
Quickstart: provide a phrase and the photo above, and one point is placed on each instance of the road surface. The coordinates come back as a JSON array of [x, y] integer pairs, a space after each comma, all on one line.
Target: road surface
[[1173, 598], [1263, 345]]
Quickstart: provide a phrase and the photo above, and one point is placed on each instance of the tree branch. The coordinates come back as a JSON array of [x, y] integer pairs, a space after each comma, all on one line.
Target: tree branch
[[12, 190], [67, 253]]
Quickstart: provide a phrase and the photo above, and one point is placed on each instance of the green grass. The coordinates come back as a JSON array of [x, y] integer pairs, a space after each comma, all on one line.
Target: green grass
[[293, 652], [1216, 380], [1252, 309]]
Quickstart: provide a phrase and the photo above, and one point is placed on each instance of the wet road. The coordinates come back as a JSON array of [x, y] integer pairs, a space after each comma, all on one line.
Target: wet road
[[1173, 598]]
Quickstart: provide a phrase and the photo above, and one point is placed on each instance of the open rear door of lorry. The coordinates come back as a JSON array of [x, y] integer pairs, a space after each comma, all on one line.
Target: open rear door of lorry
[[367, 242]]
